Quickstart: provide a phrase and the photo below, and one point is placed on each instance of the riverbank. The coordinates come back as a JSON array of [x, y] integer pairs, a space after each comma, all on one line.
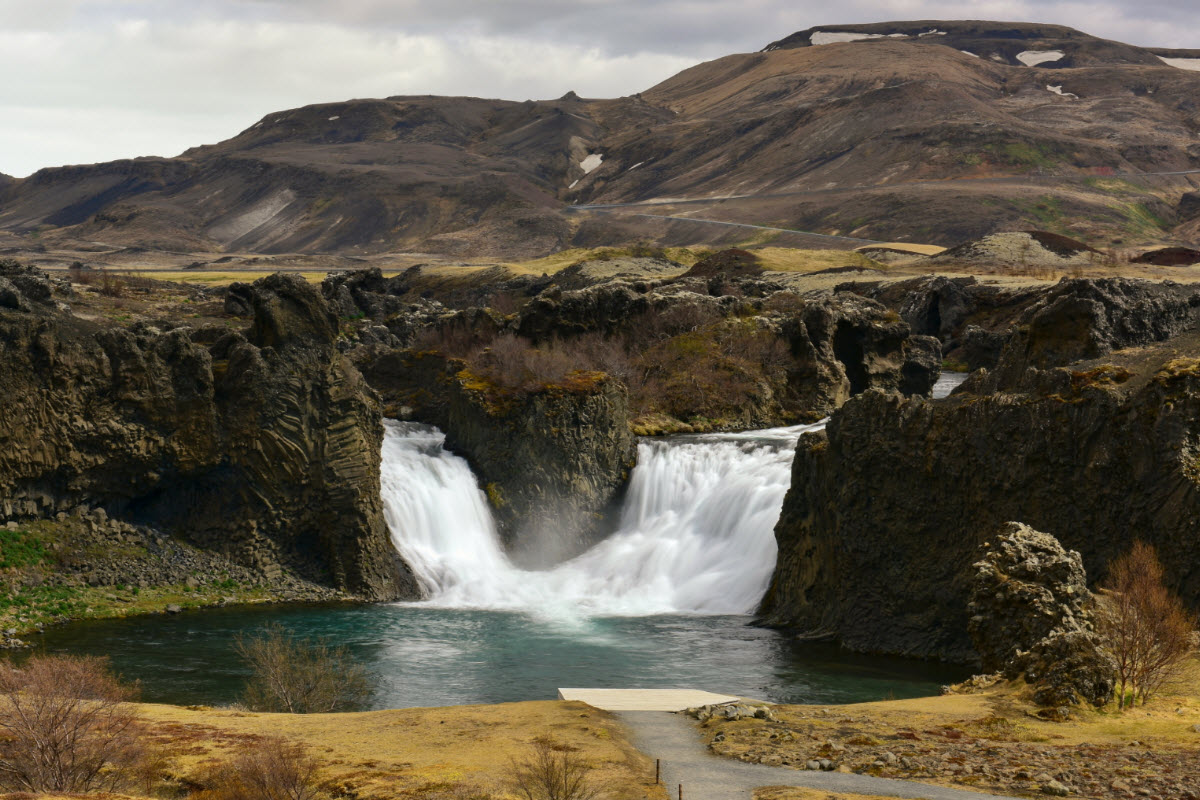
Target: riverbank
[[86, 566], [987, 742]]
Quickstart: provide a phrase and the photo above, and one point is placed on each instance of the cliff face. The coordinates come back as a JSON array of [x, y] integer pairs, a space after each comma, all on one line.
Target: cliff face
[[890, 505], [263, 446], [553, 461]]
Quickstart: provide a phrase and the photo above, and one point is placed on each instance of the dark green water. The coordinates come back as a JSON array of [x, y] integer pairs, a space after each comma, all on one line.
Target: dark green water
[[425, 656]]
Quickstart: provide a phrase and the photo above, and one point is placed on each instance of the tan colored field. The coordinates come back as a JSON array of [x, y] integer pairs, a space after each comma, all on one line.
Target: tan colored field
[[415, 753], [905, 247], [991, 741]]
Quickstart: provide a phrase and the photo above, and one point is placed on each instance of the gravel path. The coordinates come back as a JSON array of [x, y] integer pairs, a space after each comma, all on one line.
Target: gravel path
[[685, 760]]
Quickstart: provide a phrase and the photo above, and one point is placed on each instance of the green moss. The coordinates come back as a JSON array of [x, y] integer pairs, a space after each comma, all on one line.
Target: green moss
[[1177, 369], [495, 496], [20, 548], [1023, 154], [1103, 376]]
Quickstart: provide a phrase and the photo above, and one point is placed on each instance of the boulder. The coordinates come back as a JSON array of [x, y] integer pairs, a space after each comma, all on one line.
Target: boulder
[[1025, 587], [1031, 614]]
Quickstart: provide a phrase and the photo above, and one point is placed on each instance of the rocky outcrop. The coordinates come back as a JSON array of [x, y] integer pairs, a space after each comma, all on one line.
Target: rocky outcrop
[[262, 445], [972, 320], [890, 504], [1081, 319], [983, 325], [553, 461], [1031, 616]]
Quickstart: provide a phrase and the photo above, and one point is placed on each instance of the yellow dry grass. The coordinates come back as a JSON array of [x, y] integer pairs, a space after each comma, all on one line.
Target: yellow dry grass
[[1166, 719], [555, 262], [790, 259], [418, 752], [905, 247]]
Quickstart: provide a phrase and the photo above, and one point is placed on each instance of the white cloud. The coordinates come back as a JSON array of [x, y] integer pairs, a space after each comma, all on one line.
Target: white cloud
[[175, 86]]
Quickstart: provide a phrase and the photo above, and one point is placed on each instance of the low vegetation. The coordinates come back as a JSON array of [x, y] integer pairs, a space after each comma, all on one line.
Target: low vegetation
[[693, 365], [66, 726], [273, 769], [301, 676], [1147, 629], [553, 771], [44, 566]]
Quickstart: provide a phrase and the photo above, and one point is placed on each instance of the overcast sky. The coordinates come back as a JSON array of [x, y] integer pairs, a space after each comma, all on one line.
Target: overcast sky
[[93, 80]]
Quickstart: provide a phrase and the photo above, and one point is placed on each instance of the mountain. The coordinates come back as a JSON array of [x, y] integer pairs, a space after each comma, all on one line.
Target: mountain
[[928, 131]]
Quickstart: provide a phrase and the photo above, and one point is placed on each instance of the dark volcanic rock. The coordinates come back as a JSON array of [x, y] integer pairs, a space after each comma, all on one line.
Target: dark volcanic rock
[[1025, 587], [726, 264], [1169, 257], [847, 345], [1031, 615], [553, 461], [1081, 319], [262, 446], [1067, 665], [889, 505]]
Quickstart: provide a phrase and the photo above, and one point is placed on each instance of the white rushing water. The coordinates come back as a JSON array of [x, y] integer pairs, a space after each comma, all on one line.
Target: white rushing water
[[696, 533], [947, 382]]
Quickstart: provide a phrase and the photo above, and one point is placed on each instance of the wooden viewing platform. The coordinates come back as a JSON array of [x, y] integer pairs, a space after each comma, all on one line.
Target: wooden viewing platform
[[645, 699]]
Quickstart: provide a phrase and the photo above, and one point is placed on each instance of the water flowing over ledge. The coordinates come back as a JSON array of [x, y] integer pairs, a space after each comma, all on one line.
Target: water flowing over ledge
[[696, 533]]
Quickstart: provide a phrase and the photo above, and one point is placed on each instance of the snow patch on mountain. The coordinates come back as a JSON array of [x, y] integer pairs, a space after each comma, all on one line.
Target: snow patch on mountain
[[1031, 58]]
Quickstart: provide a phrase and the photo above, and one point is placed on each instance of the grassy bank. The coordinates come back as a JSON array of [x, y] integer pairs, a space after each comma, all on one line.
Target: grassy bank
[[452, 753], [89, 567]]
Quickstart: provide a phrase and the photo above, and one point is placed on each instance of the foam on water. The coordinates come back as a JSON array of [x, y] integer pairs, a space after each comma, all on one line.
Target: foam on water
[[696, 534]]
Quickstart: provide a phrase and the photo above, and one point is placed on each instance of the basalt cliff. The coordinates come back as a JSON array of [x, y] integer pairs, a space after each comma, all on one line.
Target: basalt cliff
[[1088, 428], [260, 444]]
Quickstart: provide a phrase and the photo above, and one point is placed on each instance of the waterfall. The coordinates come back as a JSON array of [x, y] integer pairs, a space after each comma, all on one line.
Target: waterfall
[[947, 382], [696, 534]]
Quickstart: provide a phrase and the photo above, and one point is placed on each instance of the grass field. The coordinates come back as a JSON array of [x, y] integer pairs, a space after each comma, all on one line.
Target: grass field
[[452, 752]]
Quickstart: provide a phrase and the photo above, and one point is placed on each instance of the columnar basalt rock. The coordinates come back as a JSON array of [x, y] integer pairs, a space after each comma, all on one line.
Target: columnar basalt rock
[[553, 461], [889, 505], [263, 445]]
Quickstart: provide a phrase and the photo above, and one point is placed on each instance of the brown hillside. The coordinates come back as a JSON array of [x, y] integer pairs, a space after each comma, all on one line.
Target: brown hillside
[[899, 137]]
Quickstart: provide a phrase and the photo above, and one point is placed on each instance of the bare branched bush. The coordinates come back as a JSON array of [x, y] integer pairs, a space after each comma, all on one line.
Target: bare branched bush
[[110, 285], [66, 726], [511, 362], [272, 769], [456, 339], [301, 676], [553, 771], [1145, 627]]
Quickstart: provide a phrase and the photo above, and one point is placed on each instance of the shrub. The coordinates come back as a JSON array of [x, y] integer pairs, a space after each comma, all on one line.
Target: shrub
[[301, 676], [66, 726], [273, 769], [1144, 626], [553, 772]]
